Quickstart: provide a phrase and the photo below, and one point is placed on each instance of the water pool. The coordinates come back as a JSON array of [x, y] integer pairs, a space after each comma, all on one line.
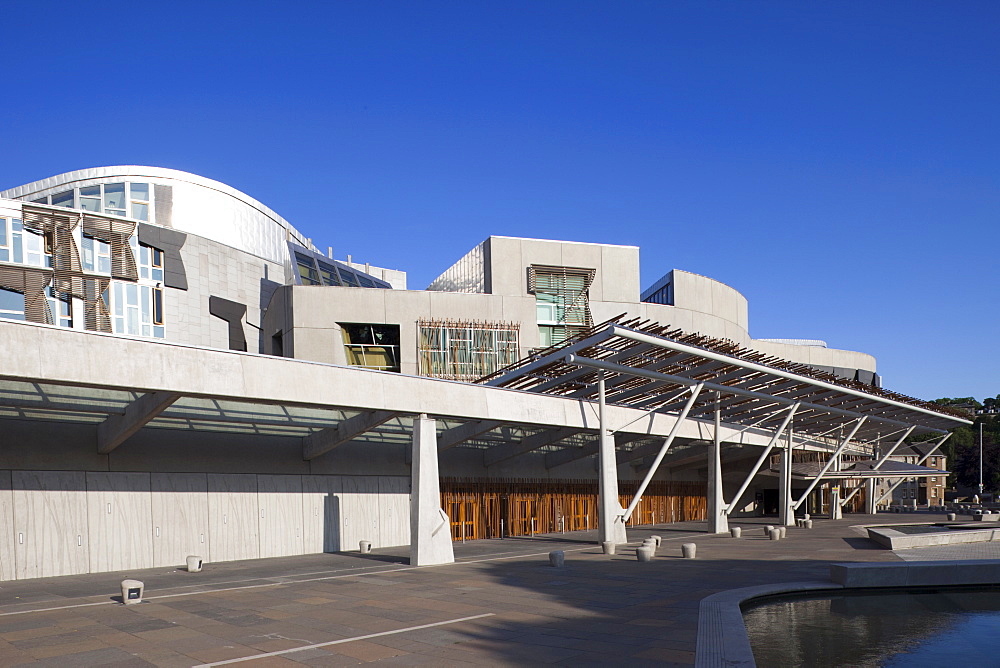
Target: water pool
[[940, 627]]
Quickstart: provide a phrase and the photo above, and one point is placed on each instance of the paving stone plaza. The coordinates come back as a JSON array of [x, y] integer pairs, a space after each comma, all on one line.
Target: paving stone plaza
[[501, 603]]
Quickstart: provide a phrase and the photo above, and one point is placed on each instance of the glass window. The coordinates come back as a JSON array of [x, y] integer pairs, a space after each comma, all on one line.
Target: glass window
[[95, 255], [140, 211], [63, 199], [465, 350], [11, 305], [37, 250], [157, 306], [61, 308], [307, 270], [140, 191], [114, 199], [372, 346], [562, 301], [328, 274], [349, 279], [90, 204]]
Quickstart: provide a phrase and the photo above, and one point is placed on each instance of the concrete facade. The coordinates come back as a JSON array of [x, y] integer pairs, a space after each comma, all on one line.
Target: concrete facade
[[246, 427]]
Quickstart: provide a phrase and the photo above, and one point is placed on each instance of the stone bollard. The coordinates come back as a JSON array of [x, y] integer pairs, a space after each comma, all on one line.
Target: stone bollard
[[952, 517], [688, 550], [807, 516], [644, 553], [557, 558], [774, 534], [132, 591], [366, 546], [194, 563], [799, 521], [735, 532], [783, 531], [809, 524], [768, 529], [658, 540], [650, 543], [608, 547]]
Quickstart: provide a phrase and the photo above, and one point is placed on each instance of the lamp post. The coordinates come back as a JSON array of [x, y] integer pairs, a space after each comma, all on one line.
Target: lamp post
[[980, 459]]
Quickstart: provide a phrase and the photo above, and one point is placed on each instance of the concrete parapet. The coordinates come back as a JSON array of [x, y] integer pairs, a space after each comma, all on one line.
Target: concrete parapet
[[916, 573]]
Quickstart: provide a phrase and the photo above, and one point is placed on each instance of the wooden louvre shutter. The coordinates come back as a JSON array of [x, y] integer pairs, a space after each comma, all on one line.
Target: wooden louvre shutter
[[572, 286], [31, 282]]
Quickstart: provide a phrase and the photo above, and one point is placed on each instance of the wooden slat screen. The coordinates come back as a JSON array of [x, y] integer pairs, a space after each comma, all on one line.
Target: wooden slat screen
[[481, 507]]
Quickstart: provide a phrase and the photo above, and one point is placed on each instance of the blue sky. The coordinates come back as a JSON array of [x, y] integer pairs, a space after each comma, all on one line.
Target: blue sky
[[836, 162]]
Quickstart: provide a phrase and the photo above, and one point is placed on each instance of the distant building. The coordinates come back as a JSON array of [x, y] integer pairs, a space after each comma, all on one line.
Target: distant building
[[926, 491]]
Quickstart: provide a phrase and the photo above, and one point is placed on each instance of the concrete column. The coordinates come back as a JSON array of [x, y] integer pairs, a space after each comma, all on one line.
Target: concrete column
[[786, 515], [430, 529], [609, 508], [836, 512], [871, 487], [718, 522]]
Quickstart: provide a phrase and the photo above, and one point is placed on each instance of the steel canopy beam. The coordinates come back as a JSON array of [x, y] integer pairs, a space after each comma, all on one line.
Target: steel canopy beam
[[567, 455], [829, 464], [919, 463], [465, 432], [655, 375], [728, 508], [695, 391], [641, 337], [117, 428], [507, 451], [878, 464], [327, 439]]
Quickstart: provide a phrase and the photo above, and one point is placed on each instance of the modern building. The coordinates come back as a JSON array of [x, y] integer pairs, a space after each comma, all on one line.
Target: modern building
[[924, 490], [191, 374]]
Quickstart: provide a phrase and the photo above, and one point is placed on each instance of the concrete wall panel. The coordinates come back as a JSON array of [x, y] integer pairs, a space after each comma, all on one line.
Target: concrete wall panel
[[7, 534], [50, 523], [394, 511], [180, 517], [279, 499], [505, 267], [233, 517], [119, 516], [321, 513], [360, 514]]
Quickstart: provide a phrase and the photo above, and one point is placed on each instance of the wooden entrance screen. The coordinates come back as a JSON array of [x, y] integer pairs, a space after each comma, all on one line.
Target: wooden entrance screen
[[480, 508]]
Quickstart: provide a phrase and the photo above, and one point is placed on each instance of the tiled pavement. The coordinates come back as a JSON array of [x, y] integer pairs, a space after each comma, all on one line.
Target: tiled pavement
[[597, 610]]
